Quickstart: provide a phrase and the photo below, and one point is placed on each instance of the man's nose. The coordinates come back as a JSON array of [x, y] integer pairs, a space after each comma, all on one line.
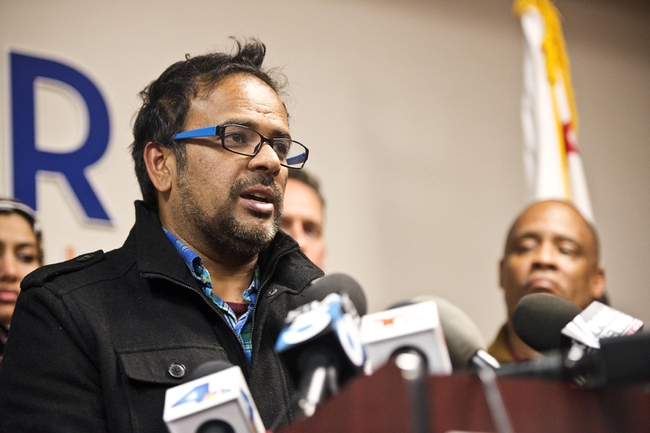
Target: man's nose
[[546, 256], [266, 160]]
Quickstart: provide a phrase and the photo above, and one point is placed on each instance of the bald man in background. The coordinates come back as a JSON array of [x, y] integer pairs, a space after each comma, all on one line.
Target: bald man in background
[[550, 248], [303, 215]]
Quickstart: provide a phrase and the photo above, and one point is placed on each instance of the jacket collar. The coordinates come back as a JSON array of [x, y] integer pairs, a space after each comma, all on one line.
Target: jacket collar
[[156, 254]]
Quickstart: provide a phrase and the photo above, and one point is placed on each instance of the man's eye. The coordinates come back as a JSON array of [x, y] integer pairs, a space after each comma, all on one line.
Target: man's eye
[[570, 249], [236, 138], [281, 148], [312, 230], [525, 245]]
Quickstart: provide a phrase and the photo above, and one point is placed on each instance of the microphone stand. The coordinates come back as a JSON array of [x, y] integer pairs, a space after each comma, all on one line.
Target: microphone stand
[[323, 382], [320, 380], [413, 367], [488, 378]]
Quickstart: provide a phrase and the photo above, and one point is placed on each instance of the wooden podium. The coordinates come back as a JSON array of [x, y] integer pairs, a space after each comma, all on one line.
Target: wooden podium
[[380, 404]]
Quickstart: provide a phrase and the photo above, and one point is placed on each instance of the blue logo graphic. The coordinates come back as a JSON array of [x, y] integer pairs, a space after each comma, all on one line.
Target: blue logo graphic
[[196, 395], [249, 405], [201, 393]]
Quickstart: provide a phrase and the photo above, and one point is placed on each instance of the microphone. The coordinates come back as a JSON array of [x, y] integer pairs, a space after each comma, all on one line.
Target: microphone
[[546, 322], [208, 368], [216, 400], [620, 360], [603, 344], [539, 318], [465, 342], [410, 334], [624, 359], [599, 321], [408, 327], [321, 345], [467, 349], [336, 283], [435, 332]]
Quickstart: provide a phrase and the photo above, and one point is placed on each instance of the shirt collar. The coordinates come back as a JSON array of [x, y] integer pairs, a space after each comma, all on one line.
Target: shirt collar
[[195, 263]]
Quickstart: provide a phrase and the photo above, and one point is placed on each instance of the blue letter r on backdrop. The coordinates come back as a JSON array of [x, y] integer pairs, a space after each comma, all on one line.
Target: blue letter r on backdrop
[[28, 160]]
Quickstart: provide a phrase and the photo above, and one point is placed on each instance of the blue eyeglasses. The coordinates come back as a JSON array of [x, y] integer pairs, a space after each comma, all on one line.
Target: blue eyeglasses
[[246, 141]]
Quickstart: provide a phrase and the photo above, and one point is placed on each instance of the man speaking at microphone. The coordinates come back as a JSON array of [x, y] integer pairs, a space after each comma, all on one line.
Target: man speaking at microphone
[[204, 275], [550, 248]]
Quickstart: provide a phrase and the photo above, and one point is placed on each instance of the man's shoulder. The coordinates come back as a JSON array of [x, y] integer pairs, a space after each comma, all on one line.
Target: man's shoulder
[[500, 347], [284, 269], [85, 269]]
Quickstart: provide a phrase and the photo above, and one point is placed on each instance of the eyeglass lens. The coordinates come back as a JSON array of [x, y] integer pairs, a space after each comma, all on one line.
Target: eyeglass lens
[[247, 141]]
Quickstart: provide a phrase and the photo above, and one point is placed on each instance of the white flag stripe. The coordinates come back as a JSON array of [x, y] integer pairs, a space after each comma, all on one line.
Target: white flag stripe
[[541, 141], [552, 161], [578, 181]]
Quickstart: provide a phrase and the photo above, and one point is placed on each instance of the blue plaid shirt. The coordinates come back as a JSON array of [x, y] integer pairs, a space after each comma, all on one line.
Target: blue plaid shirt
[[244, 326]]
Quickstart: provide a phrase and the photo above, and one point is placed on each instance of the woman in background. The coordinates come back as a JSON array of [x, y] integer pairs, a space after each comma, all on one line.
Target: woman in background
[[21, 252]]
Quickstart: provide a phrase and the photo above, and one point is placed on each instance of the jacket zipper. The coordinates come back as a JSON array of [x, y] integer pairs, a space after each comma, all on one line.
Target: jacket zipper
[[274, 264], [210, 304], [219, 312]]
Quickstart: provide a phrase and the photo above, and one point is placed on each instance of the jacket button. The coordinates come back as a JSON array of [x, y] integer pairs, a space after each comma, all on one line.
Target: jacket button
[[176, 370], [273, 291], [84, 258]]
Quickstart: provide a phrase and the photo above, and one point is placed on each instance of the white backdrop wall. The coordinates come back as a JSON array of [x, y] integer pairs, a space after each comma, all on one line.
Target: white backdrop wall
[[411, 113]]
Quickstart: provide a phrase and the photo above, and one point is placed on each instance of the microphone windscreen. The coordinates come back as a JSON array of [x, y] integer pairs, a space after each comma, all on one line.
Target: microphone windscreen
[[539, 319], [208, 368], [337, 283], [463, 337]]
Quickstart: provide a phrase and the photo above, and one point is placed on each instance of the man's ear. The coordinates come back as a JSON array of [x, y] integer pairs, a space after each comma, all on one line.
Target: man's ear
[[161, 165], [598, 283], [501, 263]]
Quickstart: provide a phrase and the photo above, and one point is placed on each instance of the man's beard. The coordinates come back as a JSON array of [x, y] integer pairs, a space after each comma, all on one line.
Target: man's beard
[[224, 231]]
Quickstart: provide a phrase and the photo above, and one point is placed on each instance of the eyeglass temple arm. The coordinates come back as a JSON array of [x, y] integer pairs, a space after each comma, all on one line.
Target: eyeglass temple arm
[[298, 159], [208, 131]]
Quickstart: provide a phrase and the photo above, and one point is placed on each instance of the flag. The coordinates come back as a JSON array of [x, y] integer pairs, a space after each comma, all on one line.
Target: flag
[[552, 159]]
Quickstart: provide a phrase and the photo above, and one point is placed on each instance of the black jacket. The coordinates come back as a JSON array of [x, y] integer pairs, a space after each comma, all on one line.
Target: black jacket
[[93, 340]]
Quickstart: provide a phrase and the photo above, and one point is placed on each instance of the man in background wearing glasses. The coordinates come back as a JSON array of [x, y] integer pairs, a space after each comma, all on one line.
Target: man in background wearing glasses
[[204, 275]]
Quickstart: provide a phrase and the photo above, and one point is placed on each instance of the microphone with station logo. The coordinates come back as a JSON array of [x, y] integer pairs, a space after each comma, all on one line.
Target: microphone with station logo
[[216, 401], [321, 346], [410, 326], [593, 347]]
